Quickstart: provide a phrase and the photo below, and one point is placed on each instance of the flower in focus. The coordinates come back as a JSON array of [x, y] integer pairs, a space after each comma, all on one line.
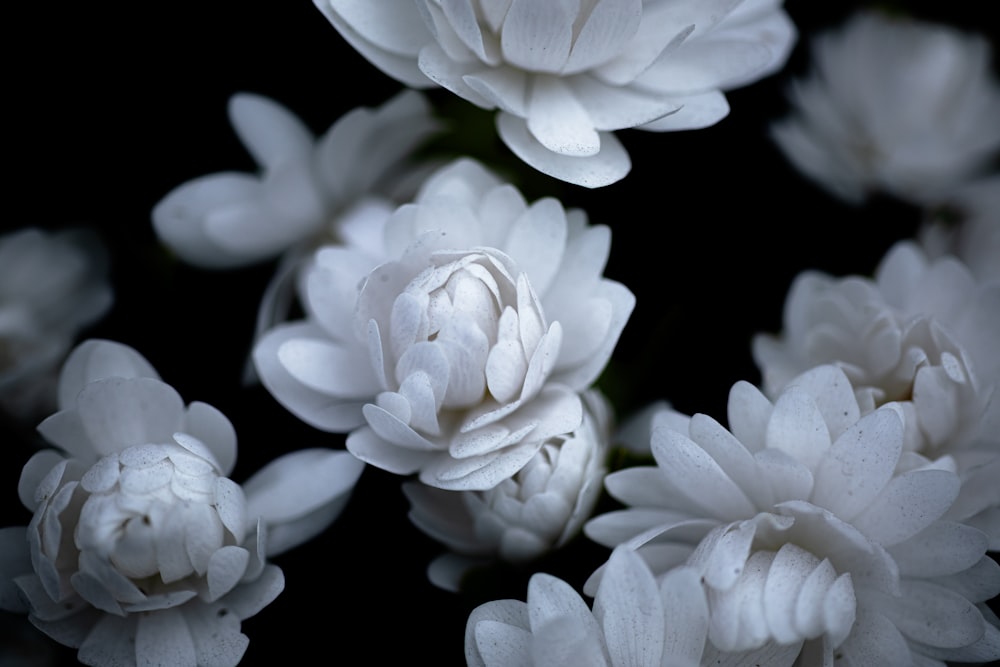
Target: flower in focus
[[635, 620], [974, 237], [565, 76], [457, 345], [813, 531], [52, 285], [525, 516], [141, 550], [922, 332], [895, 105]]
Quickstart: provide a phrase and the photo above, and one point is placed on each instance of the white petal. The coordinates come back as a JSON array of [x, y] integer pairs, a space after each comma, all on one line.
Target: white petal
[[225, 569], [537, 36], [943, 548], [250, 597], [214, 429], [163, 638], [608, 166], [907, 505], [95, 359], [365, 444], [120, 412], [270, 132], [686, 616], [797, 427], [110, 642], [630, 610], [558, 121], [502, 644]]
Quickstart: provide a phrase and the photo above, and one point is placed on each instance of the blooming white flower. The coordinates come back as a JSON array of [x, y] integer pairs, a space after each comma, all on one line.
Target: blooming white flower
[[525, 516], [812, 530], [565, 75], [52, 285], [141, 550], [974, 237], [457, 345], [636, 621], [895, 105], [922, 333]]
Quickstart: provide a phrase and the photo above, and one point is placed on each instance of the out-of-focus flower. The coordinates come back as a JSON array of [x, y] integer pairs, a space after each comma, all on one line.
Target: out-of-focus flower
[[458, 344], [812, 530], [565, 76], [525, 516], [636, 621], [968, 227], [141, 550], [52, 285], [233, 219], [894, 105]]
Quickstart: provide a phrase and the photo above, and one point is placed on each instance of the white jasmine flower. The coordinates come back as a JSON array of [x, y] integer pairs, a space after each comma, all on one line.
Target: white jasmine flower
[[141, 550], [812, 530], [525, 516], [457, 345], [565, 75], [974, 235], [52, 285], [636, 621], [894, 105]]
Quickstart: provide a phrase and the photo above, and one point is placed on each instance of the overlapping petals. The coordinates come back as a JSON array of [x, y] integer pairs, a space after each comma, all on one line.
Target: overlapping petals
[[635, 621], [565, 76], [813, 531], [457, 344], [525, 516], [52, 285], [141, 550], [894, 105]]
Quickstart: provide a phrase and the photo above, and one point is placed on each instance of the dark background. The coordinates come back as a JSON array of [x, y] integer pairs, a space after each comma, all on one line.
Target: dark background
[[109, 106]]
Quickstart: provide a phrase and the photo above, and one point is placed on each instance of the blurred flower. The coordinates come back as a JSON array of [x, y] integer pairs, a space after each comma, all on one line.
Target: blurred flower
[[525, 516], [232, 219], [636, 621], [565, 76], [52, 285], [462, 337], [141, 550], [812, 529], [968, 227], [894, 105]]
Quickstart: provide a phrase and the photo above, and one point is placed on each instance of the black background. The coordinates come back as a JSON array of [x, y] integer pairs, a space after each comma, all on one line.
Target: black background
[[111, 105]]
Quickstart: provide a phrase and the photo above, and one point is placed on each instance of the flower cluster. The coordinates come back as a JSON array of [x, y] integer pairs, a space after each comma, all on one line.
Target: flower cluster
[[462, 330]]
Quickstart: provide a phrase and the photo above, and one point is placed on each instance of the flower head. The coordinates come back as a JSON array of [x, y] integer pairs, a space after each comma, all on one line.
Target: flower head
[[894, 105], [635, 620], [565, 75], [525, 516], [457, 344], [812, 529], [52, 285], [141, 549]]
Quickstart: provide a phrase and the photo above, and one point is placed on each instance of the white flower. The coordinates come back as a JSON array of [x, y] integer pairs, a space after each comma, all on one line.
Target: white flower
[[894, 105], [812, 530], [232, 219], [636, 621], [141, 550], [52, 285], [565, 75], [462, 339], [974, 237], [921, 332], [525, 516]]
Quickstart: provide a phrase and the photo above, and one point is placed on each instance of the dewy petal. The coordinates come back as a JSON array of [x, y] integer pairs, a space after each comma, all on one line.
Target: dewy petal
[[163, 638], [537, 36], [608, 166], [498, 643], [797, 427], [513, 613], [111, 642], [859, 464], [909, 503], [251, 596], [550, 597], [610, 25], [943, 548], [225, 569], [35, 470], [365, 444], [216, 635], [630, 610], [558, 121]]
